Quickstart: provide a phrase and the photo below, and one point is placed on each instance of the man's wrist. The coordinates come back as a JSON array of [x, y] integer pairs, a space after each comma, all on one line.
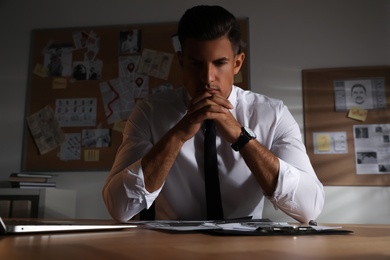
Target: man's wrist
[[177, 135], [246, 135]]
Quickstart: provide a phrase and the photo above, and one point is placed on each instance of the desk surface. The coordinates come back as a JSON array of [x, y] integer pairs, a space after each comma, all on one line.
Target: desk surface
[[367, 242]]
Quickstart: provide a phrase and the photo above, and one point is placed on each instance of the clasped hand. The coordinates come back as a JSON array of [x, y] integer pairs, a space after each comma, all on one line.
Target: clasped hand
[[214, 107]]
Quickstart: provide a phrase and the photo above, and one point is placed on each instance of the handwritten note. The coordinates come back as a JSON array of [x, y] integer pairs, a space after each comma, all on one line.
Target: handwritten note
[[91, 155], [323, 142], [40, 70], [330, 142], [358, 114], [59, 83]]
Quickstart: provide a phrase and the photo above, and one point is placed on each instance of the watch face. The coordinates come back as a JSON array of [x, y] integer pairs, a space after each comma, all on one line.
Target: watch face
[[250, 132]]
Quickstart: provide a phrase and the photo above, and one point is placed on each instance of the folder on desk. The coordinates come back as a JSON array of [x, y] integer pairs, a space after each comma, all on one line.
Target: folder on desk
[[255, 227]]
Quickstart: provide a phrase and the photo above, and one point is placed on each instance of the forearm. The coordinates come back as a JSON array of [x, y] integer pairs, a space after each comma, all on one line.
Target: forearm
[[157, 163], [297, 192], [263, 164]]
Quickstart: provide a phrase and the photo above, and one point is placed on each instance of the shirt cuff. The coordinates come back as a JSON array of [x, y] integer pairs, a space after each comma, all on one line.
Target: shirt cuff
[[288, 181], [135, 186]]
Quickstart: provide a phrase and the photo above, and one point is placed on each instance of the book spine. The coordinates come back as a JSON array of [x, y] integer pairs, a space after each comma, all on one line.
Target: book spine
[[33, 184], [31, 175], [46, 184], [26, 179]]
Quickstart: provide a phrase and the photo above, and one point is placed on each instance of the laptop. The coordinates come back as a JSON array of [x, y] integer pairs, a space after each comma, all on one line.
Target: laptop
[[16, 226]]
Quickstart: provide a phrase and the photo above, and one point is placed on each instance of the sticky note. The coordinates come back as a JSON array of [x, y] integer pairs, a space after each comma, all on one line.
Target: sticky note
[[59, 83], [323, 142], [358, 113], [40, 70], [91, 155]]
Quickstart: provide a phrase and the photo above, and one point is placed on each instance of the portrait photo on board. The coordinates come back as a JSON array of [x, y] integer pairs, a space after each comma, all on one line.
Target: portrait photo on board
[[367, 93]]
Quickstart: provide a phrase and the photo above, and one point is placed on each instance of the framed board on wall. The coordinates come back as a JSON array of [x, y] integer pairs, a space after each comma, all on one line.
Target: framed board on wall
[[83, 83], [347, 124]]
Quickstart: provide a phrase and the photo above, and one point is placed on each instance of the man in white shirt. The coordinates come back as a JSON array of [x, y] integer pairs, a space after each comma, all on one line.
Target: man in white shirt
[[259, 146]]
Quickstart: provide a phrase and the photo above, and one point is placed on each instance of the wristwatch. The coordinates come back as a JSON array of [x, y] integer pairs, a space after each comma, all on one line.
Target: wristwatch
[[246, 135]]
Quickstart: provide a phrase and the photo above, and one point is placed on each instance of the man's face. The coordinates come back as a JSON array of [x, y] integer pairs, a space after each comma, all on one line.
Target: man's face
[[209, 66], [359, 95]]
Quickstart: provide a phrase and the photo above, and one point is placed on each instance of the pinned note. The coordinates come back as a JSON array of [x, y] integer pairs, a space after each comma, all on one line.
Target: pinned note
[[358, 113], [91, 155], [59, 83], [40, 70], [323, 142], [330, 143]]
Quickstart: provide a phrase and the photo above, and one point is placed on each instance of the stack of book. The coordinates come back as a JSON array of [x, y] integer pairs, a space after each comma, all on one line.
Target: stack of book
[[31, 180]]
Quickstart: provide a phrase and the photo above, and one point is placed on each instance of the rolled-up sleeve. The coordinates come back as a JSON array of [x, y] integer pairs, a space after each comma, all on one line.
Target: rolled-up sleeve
[[124, 191], [125, 194], [299, 193]]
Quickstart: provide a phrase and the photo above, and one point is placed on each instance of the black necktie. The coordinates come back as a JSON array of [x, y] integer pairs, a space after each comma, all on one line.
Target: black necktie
[[213, 194]]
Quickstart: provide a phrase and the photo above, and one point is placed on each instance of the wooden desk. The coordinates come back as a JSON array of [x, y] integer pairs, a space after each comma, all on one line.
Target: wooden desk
[[368, 242]]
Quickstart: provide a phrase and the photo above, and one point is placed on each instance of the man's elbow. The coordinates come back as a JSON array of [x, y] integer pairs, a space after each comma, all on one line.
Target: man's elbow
[[303, 210], [114, 208], [309, 210]]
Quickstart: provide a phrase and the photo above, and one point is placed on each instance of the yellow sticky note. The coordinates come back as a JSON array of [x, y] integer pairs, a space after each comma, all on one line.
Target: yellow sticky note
[[59, 83], [358, 113], [40, 70], [91, 155], [323, 142]]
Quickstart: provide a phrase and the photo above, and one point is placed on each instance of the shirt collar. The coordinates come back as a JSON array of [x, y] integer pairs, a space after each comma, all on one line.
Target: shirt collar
[[233, 96]]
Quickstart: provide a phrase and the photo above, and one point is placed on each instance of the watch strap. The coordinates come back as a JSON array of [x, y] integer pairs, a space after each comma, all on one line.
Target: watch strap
[[242, 140]]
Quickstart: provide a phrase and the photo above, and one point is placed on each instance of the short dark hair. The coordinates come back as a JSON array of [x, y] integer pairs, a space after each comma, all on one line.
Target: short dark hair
[[358, 86], [206, 22]]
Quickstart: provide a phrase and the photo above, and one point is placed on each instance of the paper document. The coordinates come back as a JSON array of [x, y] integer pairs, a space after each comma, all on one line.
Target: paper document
[[257, 226]]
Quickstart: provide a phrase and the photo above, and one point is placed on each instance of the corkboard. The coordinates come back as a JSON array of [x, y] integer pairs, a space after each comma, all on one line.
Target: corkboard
[[40, 90], [320, 115]]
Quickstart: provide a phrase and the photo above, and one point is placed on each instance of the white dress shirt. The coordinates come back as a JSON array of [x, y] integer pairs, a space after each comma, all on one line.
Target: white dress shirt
[[299, 193]]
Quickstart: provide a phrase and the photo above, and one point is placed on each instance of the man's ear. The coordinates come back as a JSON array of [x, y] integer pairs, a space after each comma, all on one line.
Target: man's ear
[[238, 61]]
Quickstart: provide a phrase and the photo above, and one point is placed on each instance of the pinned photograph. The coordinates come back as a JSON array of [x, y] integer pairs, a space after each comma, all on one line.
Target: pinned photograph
[[130, 41], [366, 93], [80, 39], [58, 60], [87, 70], [96, 138]]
